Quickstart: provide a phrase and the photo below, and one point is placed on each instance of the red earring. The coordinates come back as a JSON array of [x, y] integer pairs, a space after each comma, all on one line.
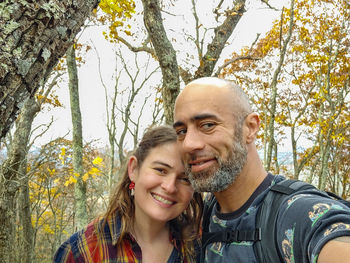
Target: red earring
[[132, 188]]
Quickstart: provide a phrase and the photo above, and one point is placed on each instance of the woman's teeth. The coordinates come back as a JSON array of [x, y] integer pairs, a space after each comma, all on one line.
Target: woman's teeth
[[161, 199]]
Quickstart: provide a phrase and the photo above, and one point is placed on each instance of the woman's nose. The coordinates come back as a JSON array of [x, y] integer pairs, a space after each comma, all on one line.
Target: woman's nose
[[169, 184]]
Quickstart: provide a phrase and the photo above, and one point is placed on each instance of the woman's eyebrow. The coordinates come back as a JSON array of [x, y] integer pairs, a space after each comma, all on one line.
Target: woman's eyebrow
[[162, 163]]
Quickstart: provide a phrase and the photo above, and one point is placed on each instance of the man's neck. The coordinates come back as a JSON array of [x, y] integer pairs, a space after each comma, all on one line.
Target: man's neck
[[242, 188]]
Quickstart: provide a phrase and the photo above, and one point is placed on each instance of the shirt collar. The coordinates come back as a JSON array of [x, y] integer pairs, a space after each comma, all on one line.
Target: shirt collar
[[114, 224]]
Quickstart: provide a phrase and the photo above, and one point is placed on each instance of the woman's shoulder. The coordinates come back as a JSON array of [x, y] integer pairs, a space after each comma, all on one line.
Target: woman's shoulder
[[73, 249]]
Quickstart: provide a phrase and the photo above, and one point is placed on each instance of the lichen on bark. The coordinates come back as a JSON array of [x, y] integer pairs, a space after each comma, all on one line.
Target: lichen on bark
[[34, 36]]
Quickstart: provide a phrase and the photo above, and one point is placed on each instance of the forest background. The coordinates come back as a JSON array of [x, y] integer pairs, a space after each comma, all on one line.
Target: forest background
[[55, 178]]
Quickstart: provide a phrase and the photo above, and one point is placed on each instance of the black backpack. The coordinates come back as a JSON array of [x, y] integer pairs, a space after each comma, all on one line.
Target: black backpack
[[266, 217]]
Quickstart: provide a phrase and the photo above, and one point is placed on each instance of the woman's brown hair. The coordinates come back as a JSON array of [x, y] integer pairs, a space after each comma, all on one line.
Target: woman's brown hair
[[186, 225]]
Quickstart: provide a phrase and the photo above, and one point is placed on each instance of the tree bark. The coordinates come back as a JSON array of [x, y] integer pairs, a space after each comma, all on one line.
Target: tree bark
[[27, 249], [11, 173], [80, 186], [33, 37], [166, 56], [222, 34]]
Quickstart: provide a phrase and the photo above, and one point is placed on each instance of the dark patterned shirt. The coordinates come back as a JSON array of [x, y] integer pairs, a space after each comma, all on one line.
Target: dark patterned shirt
[[306, 222]]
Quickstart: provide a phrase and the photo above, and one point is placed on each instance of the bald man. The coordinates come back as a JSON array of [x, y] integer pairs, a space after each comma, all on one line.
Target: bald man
[[216, 130]]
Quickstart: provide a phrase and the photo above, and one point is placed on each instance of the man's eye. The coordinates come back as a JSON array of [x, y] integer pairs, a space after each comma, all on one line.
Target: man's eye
[[207, 125], [181, 132]]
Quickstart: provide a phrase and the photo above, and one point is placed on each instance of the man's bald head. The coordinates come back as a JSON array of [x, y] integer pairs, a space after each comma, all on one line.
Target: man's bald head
[[212, 86], [209, 117]]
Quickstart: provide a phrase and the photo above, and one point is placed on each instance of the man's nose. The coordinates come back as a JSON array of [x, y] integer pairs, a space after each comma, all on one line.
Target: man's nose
[[169, 184], [192, 141]]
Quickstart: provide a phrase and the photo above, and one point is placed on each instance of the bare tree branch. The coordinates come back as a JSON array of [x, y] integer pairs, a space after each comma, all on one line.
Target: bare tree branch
[[143, 48], [196, 40], [266, 2], [233, 61], [216, 10]]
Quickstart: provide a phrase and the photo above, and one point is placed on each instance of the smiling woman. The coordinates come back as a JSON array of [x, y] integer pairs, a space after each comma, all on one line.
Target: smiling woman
[[162, 191], [153, 215]]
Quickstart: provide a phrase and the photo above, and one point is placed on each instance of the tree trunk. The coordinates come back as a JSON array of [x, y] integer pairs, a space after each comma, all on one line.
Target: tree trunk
[[12, 172], [273, 86], [33, 37], [80, 186], [166, 56], [324, 167], [27, 252]]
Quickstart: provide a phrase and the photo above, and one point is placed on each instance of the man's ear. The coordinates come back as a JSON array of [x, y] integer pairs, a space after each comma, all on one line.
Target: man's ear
[[252, 123], [132, 168]]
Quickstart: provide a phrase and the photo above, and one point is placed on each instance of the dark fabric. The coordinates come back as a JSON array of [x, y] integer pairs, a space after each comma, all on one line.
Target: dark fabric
[[306, 221]]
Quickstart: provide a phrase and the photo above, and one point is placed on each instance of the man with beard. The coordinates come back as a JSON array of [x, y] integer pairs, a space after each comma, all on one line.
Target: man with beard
[[216, 129]]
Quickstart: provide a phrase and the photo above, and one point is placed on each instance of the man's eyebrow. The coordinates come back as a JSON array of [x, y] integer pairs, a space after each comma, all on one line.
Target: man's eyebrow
[[196, 118], [204, 116], [178, 124]]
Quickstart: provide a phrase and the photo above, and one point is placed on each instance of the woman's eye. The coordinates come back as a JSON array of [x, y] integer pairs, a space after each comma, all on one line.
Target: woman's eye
[[160, 170], [185, 179]]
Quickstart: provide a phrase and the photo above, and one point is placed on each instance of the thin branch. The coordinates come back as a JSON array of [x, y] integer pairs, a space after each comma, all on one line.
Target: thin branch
[[239, 58], [196, 41], [266, 2], [99, 65], [233, 61], [216, 10], [143, 48], [52, 84], [47, 127]]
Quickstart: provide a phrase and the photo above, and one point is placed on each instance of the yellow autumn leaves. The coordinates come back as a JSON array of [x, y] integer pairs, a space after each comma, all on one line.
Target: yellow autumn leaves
[[93, 172], [117, 13]]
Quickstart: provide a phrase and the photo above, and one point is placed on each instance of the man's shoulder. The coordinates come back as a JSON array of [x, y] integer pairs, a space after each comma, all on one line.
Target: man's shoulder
[[309, 207], [277, 178], [301, 191], [304, 217]]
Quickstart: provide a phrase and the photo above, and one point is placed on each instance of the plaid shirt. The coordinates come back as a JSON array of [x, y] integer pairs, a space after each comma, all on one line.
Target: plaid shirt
[[95, 244]]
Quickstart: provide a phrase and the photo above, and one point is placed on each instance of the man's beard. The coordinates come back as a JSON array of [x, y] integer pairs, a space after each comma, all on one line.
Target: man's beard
[[217, 179]]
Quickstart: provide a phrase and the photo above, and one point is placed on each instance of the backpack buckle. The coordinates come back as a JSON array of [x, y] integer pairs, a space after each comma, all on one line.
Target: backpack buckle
[[231, 236], [241, 235]]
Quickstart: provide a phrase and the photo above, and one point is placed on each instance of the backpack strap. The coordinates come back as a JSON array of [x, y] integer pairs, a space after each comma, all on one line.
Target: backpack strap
[[227, 236], [208, 207], [266, 251]]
